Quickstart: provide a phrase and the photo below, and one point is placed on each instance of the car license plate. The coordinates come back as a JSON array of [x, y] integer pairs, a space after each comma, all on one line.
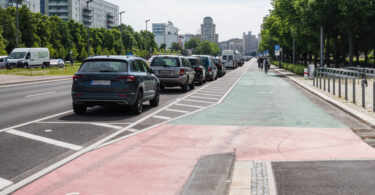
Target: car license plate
[[100, 82]]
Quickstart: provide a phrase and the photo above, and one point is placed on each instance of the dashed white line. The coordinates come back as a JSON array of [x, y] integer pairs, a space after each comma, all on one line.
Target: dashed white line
[[4, 183], [107, 125], [187, 105], [44, 139], [39, 94], [198, 101], [180, 111], [162, 117], [205, 98]]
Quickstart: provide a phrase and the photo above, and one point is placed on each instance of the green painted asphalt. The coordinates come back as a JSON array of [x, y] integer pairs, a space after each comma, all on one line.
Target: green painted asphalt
[[264, 100]]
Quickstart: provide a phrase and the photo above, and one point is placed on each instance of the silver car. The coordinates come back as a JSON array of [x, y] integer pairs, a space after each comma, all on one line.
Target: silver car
[[3, 61], [174, 71]]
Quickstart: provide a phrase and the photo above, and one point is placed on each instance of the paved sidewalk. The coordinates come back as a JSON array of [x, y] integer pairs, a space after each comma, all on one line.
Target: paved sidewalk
[[17, 79]]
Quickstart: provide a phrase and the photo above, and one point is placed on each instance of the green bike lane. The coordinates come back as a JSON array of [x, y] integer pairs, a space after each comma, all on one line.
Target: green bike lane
[[263, 119]]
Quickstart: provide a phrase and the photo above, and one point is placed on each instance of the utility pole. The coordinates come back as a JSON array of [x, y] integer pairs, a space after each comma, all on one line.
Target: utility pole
[[88, 27], [146, 24]]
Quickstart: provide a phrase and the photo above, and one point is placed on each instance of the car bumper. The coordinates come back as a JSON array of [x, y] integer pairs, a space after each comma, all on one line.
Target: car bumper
[[104, 98], [173, 81]]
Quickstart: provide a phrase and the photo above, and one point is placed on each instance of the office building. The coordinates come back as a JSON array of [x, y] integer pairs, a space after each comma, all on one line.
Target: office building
[[232, 44], [208, 30], [165, 33], [250, 44], [99, 13], [33, 5]]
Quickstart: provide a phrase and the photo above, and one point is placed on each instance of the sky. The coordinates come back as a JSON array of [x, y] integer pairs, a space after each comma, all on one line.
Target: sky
[[232, 17]]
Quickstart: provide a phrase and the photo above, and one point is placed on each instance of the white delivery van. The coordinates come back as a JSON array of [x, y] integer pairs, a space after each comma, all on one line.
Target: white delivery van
[[228, 59], [28, 57]]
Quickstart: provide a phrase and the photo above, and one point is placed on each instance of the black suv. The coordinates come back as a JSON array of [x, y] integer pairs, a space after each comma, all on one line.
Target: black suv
[[114, 80]]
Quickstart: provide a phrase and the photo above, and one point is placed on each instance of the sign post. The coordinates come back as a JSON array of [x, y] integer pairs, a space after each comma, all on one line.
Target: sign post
[[277, 53]]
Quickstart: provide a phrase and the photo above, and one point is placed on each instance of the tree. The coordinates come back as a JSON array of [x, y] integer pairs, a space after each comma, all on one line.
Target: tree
[[163, 46], [192, 43], [176, 47]]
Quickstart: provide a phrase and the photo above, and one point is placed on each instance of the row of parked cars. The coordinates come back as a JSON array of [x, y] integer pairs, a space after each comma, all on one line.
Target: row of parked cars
[[130, 81]]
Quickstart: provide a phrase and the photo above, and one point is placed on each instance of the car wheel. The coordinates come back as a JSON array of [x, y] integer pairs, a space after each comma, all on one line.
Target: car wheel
[[137, 108], [79, 108], [155, 102], [185, 87], [192, 86]]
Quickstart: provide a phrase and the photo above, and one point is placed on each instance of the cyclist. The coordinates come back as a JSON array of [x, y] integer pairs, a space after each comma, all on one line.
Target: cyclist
[[266, 66], [260, 63]]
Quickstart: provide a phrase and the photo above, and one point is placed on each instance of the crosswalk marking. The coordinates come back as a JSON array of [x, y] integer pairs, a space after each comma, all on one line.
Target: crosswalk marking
[[44, 139]]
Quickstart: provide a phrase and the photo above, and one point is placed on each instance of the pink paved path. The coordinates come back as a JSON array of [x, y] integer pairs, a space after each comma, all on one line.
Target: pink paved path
[[160, 160]]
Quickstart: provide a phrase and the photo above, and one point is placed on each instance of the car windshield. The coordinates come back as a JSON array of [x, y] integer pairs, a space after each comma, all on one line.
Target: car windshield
[[104, 66], [17, 55], [169, 62]]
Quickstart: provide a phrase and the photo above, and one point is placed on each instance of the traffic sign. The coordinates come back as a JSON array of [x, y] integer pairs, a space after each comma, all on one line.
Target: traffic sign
[[277, 47]]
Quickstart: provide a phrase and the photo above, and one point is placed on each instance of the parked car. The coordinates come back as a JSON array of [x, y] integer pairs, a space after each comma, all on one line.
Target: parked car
[[208, 63], [3, 61], [57, 62], [174, 71], [221, 69], [200, 70], [28, 57], [114, 80]]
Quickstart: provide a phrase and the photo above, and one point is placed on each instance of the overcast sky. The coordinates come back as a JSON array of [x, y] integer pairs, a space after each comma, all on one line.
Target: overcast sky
[[232, 17]]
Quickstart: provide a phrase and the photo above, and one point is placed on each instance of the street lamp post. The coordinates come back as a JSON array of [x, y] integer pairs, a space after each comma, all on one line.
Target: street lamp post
[[121, 16], [18, 24], [121, 32], [88, 28], [146, 24]]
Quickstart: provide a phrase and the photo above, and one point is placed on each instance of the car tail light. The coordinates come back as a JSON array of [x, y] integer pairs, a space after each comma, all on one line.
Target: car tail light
[[182, 71], [76, 77], [198, 68], [122, 95], [209, 69], [128, 79]]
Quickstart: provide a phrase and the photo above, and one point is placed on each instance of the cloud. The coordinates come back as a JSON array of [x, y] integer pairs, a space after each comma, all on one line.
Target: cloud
[[232, 17]]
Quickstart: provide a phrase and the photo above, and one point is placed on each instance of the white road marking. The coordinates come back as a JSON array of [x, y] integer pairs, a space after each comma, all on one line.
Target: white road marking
[[39, 94], [207, 94], [213, 92], [83, 123], [180, 111], [162, 117], [133, 130], [33, 83], [186, 105], [44, 139], [198, 101], [206, 98], [4, 183], [107, 125], [48, 131]]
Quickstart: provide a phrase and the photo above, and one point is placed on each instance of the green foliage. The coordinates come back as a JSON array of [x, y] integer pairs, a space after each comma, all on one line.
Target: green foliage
[[208, 48], [348, 27], [296, 68], [69, 39], [176, 47]]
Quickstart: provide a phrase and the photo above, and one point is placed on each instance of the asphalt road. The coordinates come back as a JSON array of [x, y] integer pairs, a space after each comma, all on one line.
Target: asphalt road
[[39, 129]]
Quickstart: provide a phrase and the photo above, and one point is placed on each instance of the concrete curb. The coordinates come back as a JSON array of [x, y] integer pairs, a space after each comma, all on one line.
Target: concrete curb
[[356, 114], [36, 81]]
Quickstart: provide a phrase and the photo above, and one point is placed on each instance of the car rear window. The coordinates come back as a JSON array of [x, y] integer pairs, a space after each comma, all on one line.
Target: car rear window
[[206, 61], [230, 57], [104, 66], [169, 62], [216, 61], [194, 62], [224, 57]]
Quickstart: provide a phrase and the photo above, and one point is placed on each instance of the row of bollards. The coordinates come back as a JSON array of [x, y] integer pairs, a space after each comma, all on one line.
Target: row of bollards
[[326, 85]]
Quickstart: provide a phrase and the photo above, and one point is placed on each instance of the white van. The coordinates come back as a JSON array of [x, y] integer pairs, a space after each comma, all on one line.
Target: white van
[[28, 57], [228, 59]]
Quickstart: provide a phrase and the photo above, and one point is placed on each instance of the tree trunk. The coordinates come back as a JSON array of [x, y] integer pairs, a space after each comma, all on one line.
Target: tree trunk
[[357, 57], [336, 52], [351, 46], [328, 57], [366, 58]]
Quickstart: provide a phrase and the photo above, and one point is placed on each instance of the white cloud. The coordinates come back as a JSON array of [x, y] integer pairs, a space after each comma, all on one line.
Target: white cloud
[[232, 17]]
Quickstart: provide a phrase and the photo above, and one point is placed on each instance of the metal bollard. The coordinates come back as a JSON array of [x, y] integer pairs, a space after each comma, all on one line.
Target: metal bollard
[[329, 83], [346, 88], [320, 78], [353, 90], [334, 84], [339, 86], [324, 78], [363, 94]]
